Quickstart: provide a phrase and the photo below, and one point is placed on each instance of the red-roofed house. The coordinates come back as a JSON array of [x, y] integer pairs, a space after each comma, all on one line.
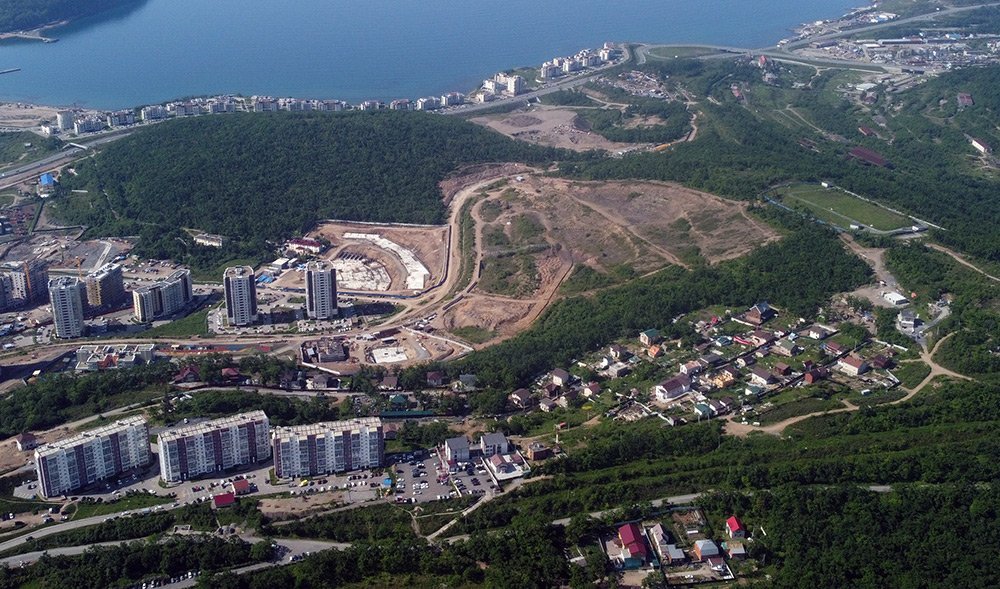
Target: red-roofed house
[[188, 374], [242, 487], [224, 500], [734, 527], [868, 156], [231, 374], [635, 552], [852, 365]]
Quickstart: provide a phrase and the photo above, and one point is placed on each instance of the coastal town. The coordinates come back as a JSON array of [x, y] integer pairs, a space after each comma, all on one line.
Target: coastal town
[[596, 362]]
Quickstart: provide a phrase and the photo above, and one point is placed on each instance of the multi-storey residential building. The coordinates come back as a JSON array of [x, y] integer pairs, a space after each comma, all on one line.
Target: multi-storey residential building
[[28, 280], [241, 295], [321, 290], [65, 120], [6, 295], [323, 448], [66, 295], [120, 118], [105, 287], [87, 125], [214, 446], [163, 298], [155, 112], [92, 456]]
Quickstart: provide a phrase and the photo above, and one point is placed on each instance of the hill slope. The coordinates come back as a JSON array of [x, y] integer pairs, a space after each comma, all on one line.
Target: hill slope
[[258, 178]]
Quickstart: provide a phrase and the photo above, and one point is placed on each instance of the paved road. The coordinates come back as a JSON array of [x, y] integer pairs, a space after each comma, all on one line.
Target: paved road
[[27, 171]]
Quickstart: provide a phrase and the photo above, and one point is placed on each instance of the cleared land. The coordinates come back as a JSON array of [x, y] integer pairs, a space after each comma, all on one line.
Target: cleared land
[[530, 233], [840, 208], [553, 126]]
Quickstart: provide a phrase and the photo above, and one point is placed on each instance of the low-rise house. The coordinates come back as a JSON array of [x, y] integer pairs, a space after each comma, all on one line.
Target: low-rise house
[[753, 390], [691, 368], [618, 352], [759, 313], [882, 362], [552, 390], [618, 370], [705, 549], [591, 389], [662, 542], [188, 374], [547, 405], [736, 551], [717, 407], [521, 398], [818, 332], [655, 351], [709, 360], [389, 383], [907, 319], [467, 382], [744, 361], [493, 443], [703, 411], [539, 451], [457, 449], [649, 337], [782, 369], [833, 348], [224, 500], [815, 375], [735, 528], [635, 552], [786, 347], [567, 398], [435, 379], [672, 388], [242, 487], [723, 379], [560, 377], [26, 441], [760, 376], [852, 365]]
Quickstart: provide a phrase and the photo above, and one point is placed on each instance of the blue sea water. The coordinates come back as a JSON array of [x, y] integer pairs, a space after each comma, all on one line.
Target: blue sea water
[[156, 50]]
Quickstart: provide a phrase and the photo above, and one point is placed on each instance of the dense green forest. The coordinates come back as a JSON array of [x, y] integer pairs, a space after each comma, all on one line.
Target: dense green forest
[[16, 15], [577, 325], [258, 179]]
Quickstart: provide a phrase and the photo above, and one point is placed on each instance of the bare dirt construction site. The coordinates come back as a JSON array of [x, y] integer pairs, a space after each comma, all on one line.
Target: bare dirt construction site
[[552, 126], [531, 231], [381, 258], [22, 115]]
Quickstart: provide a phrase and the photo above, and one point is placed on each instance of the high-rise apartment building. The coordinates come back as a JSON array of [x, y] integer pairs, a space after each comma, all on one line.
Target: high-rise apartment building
[[105, 287], [163, 298], [214, 446], [28, 280], [321, 290], [92, 456], [67, 295], [241, 295], [323, 448]]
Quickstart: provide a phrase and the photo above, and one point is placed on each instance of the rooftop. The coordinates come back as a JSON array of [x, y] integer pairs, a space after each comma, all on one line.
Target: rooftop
[[210, 426], [104, 430], [326, 427]]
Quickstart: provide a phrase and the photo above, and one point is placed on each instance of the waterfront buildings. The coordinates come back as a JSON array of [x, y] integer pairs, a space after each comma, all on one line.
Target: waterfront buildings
[[66, 295], [163, 298], [65, 120], [105, 287], [214, 446], [92, 456], [241, 295], [321, 290], [323, 448]]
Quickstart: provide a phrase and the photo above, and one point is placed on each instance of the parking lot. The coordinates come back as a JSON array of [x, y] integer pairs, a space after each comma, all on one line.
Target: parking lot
[[424, 478]]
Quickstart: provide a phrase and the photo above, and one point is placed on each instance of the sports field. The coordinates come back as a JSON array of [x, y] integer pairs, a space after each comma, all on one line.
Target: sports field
[[840, 208]]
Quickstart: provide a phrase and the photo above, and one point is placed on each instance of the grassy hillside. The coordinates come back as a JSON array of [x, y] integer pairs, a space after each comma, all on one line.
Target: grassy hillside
[[262, 178], [28, 14]]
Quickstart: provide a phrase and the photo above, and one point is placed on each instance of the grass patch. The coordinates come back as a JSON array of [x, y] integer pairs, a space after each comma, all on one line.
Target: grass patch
[[491, 210], [840, 208], [680, 52], [194, 324], [136, 501], [466, 245], [7, 198], [910, 374], [513, 276], [797, 408], [473, 334]]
